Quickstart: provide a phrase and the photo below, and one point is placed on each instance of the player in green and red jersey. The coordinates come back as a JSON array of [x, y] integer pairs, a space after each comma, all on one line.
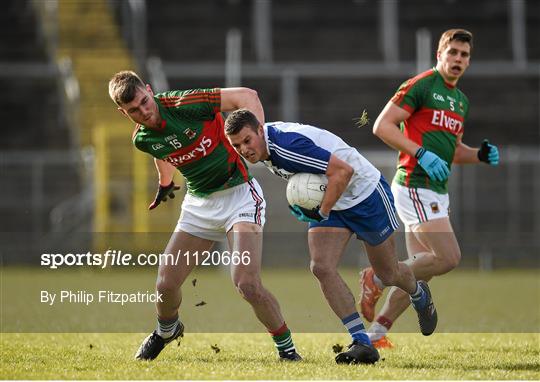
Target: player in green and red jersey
[[184, 130], [424, 121]]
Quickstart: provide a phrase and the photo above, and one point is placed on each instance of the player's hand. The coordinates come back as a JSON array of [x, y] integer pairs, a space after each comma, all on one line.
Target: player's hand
[[436, 168], [163, 193], [308, 216], [488, 153]]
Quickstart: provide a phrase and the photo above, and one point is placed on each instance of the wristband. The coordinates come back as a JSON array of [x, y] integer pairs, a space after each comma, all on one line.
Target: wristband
[[421, 151]]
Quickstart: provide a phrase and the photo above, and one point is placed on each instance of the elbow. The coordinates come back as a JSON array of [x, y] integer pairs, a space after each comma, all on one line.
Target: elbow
[[377, 128], [250, 95], [347, 174]]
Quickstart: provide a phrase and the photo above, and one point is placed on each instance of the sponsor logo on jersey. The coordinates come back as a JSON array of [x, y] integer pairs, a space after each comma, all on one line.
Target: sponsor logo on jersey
[[193, 155], [434, 207], [157, 146], [440, 118], [190, 133], [246, 215], [438, 97], [170, 137]]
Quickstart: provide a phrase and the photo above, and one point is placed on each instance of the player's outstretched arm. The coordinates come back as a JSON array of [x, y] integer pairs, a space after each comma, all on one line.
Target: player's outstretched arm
[[242, 98], [386, 127]]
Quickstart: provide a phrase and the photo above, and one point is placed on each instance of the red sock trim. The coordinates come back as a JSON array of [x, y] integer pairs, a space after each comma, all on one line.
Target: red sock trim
[[279, 331], [386, 322]]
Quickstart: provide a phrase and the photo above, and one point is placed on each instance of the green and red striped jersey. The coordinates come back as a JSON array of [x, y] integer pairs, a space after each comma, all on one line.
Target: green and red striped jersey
[[192, 138], [438, 111]]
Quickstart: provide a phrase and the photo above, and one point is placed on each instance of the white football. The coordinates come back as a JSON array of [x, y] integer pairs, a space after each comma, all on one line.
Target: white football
[[306, 190]]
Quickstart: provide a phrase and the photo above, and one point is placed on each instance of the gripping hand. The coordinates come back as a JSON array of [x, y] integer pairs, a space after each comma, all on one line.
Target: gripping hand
[[488, 153], [436, 168], [308, 216], [162, 194]]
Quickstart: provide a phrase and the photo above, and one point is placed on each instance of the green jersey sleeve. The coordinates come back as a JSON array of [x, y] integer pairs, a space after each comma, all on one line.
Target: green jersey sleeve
[[411, 95], [193, 104]]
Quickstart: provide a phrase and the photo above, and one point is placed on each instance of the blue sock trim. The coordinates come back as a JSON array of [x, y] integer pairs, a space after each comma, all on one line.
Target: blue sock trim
[[350, 318], [419, 297], [356, 328]]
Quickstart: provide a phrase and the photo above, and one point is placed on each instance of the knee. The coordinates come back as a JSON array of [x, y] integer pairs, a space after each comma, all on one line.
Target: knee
[[320, 270], [450, 262], [388, 277], [166, 285], [251, 290]]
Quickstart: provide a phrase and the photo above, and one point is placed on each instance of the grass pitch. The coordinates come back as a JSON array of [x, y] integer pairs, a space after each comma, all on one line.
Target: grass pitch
[[466, 301], [251, 356]]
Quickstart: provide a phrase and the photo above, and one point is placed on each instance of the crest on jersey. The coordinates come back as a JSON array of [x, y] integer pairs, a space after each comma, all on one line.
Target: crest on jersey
[[190, 133], [434, 207], [284, 174]]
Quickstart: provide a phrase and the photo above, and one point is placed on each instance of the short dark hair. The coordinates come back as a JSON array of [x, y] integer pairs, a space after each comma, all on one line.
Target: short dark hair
[[123, 86], [239, 119], [458, 34]]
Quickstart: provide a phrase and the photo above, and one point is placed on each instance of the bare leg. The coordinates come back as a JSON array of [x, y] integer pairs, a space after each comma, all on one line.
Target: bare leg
[[397, 300], [326, 246], [247, 238], [390, 271], [444, 253], [433, 250], [172, 276]]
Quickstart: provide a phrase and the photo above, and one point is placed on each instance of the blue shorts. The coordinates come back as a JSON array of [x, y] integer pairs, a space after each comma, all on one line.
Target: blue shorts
[[372, 220]]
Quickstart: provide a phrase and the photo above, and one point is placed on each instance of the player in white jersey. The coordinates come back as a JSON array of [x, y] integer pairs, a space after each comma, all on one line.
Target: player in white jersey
[[357, 200]]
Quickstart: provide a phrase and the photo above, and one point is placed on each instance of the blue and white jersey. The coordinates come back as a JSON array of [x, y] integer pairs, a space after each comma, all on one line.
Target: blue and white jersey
[[295, 148]]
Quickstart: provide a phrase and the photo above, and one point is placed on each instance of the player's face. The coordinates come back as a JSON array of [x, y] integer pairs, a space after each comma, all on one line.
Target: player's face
[[250, 144], [143, 109], [454, 60]]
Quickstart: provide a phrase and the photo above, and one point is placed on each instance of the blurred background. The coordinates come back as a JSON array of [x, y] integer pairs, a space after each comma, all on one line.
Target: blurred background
[[69, 171]]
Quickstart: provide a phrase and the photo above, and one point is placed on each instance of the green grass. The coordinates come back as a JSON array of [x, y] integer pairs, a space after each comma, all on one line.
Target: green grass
[[251, 356], [467, 301], [484, 304]]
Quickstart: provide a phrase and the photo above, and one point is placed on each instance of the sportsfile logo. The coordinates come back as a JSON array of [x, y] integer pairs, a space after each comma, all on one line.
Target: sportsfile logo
[[196, 153], [441, 119]]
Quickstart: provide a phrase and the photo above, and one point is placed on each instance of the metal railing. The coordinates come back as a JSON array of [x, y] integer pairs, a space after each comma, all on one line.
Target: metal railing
[[133, 26], [50, 207]]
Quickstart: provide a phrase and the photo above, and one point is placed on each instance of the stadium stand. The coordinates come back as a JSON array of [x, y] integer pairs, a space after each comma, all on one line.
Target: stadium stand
[[503, 91], [35, 125], [347, 31], [194, 29], [30, 101], [340, 42]]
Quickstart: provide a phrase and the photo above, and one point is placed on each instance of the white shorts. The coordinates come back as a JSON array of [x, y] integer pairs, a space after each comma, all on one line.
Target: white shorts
[[419, 205], [213, 216]]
